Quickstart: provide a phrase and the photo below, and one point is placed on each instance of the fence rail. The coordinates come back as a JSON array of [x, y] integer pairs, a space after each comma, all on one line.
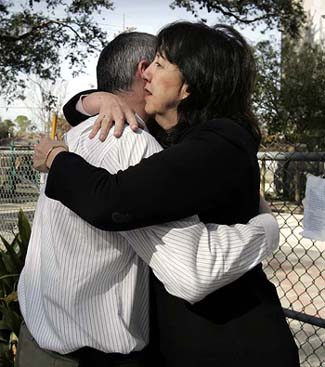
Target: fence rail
[[297, 268]]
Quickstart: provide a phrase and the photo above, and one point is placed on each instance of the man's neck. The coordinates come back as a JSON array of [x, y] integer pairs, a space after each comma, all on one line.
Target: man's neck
[[135, 103]]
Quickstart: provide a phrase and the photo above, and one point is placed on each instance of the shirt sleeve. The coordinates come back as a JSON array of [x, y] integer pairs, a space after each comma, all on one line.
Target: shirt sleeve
[[174, 183], [72, 115], [192, 259]]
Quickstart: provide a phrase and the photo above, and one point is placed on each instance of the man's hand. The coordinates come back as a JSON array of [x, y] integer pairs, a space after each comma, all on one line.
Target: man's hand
[[112, 110], [45, 152]]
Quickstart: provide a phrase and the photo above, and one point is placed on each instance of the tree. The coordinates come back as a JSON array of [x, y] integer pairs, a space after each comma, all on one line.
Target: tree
[[290, 97], [36, 34], [6, 129], [287, 16], [46, 97], [267, 97], [25, 125], [303, 91]]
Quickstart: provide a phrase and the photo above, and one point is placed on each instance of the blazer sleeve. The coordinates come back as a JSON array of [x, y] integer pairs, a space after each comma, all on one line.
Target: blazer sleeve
[[194, 175], [73, 116]]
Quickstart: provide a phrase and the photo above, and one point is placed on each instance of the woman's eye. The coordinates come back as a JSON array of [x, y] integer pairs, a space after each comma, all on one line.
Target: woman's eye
[[157, 64]]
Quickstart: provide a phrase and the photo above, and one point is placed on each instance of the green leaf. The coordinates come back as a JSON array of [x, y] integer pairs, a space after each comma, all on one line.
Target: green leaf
[[24, 232], [12, 255], [3, 326], [9, 276], [5, 359], [5, 283], [9, 265], [11, 318]]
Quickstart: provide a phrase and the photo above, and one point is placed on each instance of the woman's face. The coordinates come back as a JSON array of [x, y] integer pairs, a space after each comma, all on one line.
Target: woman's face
[[165, 90]]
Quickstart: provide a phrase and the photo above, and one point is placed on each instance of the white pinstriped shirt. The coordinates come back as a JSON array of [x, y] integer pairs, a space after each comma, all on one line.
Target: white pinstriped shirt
[[82, 286]]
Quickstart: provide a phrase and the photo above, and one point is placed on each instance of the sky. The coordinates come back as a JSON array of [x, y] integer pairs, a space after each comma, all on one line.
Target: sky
[[144, 15]]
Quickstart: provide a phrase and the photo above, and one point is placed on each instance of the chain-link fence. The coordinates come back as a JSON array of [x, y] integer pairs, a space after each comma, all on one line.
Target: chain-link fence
[[297, 268], [19, 186]]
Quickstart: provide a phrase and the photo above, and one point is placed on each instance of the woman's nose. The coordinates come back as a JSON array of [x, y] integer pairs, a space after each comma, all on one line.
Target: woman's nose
[[148, 73]]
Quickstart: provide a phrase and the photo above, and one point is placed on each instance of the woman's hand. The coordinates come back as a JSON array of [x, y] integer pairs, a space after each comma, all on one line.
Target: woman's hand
[[112, 110], [45, 152], [264, 206]]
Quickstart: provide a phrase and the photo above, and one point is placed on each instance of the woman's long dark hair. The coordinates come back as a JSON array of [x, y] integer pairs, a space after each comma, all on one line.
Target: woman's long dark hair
[[219, 68]]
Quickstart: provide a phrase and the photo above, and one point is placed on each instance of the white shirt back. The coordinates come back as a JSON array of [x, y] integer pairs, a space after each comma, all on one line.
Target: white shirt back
[[82, 286]]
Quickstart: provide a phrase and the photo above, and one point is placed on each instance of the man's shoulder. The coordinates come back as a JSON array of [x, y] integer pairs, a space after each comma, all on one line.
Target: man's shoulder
[[140, 138], [75, 133], [139, 134]]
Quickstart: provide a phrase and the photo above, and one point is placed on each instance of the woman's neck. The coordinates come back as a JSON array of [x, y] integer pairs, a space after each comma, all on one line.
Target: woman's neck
[[167, 121]]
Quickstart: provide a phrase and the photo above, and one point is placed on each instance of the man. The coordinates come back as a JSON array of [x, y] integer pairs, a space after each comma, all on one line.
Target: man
[[84, 292]]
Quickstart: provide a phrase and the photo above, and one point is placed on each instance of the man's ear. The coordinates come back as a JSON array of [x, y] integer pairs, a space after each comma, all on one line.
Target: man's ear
[[142, 66]]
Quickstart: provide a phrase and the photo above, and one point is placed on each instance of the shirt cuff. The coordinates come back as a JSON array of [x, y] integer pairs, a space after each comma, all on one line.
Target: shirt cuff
[[80, 107], [271, 229]]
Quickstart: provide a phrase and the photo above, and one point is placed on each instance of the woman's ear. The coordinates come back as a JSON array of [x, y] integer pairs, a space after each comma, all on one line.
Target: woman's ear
[[185, 92]]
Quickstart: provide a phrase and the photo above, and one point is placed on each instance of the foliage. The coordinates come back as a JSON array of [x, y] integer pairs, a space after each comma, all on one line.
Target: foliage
[[12, 259], [287, 16], [6, 128], [290, 94], [303, 89], [36, 34], [24, 124]]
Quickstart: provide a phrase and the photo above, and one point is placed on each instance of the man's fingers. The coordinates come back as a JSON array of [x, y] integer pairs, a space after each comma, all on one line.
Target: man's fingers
[[42, 151], [38, 160], [39, 136]]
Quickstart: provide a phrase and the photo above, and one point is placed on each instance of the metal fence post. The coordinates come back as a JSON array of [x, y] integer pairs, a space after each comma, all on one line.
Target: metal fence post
[[263, 173], [12, 169], [297, 183]]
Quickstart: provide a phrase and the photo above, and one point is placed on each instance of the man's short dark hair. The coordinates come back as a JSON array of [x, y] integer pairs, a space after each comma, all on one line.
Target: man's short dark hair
[[118, 61]]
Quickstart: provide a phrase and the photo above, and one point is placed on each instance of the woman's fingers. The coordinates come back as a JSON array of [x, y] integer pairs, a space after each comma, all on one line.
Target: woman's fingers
[[113, 111], [126, 116], [107, 123], [96, 127], [131, 119]]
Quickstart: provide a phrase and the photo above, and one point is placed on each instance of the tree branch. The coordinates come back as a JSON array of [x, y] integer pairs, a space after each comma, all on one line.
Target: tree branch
[[10, 38], [230, 14], [23, 36]]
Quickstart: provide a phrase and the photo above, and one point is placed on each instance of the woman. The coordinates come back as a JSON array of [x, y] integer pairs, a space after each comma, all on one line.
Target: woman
[[199, 89]]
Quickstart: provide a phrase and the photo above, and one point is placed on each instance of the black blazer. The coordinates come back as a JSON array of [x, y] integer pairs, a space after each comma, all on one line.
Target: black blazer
[[212, 171]]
